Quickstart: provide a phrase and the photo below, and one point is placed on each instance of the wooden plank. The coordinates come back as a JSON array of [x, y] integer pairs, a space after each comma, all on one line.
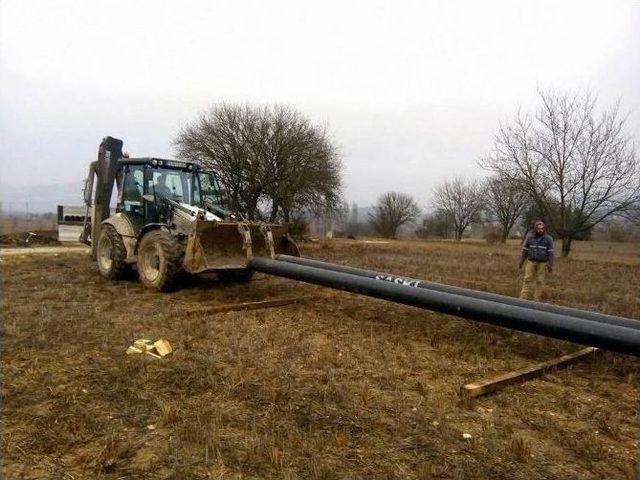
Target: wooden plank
[[483, 387], [251, 305]]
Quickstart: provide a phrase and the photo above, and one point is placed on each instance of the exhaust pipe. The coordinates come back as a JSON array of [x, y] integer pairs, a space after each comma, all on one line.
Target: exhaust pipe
[[493, 297], [563, 327]]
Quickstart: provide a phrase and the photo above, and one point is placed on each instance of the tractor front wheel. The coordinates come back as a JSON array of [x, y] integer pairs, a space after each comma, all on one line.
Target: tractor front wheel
[[159, 260], [111, 254]]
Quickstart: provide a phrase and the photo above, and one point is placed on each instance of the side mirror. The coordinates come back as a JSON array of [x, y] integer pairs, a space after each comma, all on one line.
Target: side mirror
[[149, 198]]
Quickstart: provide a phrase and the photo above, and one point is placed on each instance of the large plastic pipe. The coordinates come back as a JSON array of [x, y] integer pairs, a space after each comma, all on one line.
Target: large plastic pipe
[[563, 327], [493, 297]]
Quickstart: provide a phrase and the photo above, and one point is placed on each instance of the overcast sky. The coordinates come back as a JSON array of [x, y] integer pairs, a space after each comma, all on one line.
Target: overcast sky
[[412, 92]]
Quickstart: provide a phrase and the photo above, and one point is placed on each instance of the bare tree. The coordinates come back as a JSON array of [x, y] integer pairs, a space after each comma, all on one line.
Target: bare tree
[[393, 210], [303, 169], [220, 140], [269, 156], [579, 166], [435, 224], [506, 200], [460, 201]]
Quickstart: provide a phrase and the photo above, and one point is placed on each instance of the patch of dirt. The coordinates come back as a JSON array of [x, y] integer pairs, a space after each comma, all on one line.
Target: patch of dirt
[[28, 239]]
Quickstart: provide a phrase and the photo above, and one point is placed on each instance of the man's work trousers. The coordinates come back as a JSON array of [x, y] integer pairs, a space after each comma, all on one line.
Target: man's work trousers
[[533, 280]]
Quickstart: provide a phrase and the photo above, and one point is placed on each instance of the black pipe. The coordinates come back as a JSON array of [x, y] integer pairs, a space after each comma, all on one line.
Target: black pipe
[[493, 297], [563, 327]]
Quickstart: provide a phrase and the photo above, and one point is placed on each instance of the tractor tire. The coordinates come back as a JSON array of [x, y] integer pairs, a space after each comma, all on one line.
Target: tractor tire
[[242, 275], [111, 254], [160, 256]]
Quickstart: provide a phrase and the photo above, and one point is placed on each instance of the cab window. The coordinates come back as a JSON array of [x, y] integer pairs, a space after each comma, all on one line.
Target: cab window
[[132, 188], [209, 189], [171, 183]]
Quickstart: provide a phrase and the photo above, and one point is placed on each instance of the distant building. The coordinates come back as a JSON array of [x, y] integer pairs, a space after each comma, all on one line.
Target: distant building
[[71, 221]]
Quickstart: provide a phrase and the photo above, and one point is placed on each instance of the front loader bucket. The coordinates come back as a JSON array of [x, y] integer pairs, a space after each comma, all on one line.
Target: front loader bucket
[[219, 246]]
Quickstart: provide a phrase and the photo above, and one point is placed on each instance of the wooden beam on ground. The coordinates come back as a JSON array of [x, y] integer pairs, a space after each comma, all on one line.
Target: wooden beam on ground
[[250, 305], [483, 387]]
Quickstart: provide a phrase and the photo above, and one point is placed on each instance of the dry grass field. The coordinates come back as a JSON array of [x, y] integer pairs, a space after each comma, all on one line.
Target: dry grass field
[[338, 387], [21, 225]]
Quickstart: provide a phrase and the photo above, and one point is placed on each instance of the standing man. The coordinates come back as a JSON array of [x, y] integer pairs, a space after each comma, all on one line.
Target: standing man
[[537, 252]]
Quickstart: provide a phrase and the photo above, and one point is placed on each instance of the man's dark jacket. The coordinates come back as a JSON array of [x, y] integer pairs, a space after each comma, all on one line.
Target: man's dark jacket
[[538, 248]]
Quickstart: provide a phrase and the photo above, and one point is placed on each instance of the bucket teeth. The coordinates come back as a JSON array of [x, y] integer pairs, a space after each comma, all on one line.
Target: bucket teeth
[[231, 245], [245, 233], [268, 239]]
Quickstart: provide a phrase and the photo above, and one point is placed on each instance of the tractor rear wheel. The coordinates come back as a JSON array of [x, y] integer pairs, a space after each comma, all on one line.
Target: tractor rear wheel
[[160, 257], [111, 254]]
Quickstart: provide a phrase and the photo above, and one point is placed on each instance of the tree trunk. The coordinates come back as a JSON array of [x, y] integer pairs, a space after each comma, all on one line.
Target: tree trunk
[[274, 213], [505, 235], [252, 207], [566, 247]]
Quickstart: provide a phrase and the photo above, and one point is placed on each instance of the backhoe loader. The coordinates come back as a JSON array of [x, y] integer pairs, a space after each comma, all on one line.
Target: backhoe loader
[[169, 221]]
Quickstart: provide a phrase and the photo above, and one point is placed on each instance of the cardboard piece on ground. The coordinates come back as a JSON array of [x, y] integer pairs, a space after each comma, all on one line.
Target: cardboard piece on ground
[[158, 349], [143, 344], [162, 347]]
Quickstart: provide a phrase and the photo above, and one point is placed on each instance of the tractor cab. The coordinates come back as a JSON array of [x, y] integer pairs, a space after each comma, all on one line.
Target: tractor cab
[[147, 185]]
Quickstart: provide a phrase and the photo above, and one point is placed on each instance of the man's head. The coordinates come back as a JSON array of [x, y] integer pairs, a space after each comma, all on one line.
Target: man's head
[[539, 227]]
